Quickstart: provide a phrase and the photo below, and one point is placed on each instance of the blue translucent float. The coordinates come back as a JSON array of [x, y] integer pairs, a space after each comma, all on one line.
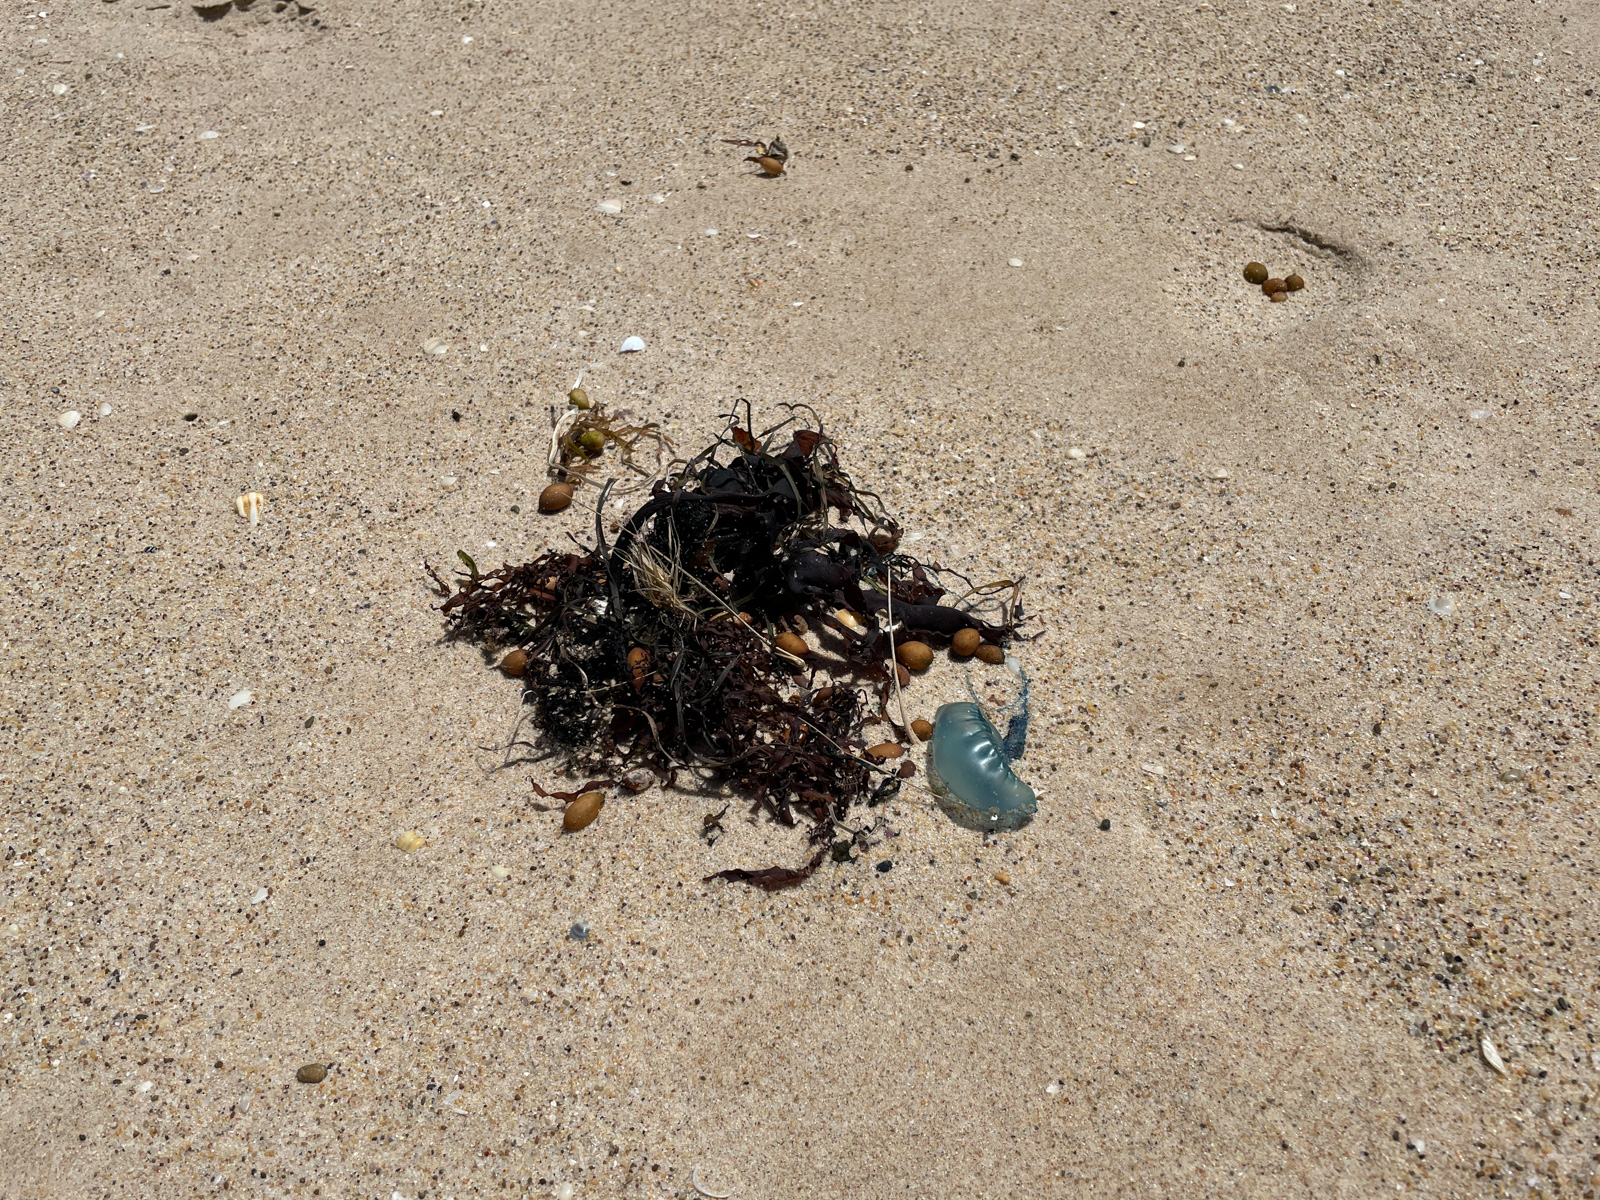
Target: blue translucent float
[[970, 771]]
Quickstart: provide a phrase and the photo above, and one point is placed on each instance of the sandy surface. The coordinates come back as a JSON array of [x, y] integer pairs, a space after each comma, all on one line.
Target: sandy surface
[[1349, 836]]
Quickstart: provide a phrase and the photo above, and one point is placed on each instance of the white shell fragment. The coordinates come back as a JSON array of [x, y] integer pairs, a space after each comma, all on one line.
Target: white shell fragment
[[249, 505], [566, 1191], [259, 896], [1155, 769], [1492, 1057], [1013, 262], [410, 842], [500, 872], [69, 419], [436, 347], [209, 134], [631, 345], [703, 1189], [1077, 453], [240, 699], [1442, 606], [610, 207], [1218, 473], [105, 410]]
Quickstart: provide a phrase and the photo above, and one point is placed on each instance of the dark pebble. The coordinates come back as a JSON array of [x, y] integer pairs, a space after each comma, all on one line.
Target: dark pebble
[[885, 867], [1105, 825]]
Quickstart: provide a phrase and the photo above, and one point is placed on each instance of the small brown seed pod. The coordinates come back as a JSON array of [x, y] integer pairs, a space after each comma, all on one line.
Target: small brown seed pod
[[1294, 283], [592, 442], [820, 700], [1278, 297], [885, 750], [638, 666], [903, 675], [311, 1073], [923, 729], [992, 655], [915, 655], [514, 664], [582, 811], [579, 398], [1255, 272], [966, 642], [792, 643], [1274, 285], [555, 497]]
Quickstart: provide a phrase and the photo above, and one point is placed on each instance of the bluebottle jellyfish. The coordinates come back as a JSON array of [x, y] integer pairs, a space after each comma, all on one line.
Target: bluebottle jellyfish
[[971, 774]]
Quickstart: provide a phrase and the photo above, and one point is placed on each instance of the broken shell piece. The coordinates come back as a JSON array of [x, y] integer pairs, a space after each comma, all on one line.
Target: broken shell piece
[[435, 347], [1442, 606], [69, 419], [610, 207], [631, 345], [500, 872], [1077, 453], [638, 779], [249, 505], [260, 894], [700, 1187], [410, 841], [240, 699], [1218, 473], [1492, 1057]]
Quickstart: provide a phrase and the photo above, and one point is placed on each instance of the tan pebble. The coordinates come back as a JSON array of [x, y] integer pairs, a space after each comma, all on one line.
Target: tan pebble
[[312, 1073], [792, 643], [410, 841], [915, 655], [923, 729], [885, 750], [1003, 877], [992, 655], [555, 497], [514, 664], [966, 642], [582, 811]]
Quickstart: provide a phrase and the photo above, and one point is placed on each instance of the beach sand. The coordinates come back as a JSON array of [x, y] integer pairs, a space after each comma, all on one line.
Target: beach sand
[[1315, 605]]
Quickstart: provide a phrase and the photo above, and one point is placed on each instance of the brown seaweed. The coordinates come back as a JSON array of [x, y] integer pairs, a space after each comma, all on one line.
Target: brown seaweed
[[657, 649]]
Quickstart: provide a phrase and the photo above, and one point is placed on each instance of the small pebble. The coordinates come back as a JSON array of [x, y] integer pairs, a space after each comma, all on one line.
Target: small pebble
[[311, 1073], [966, 642], [578, 933], [69, 419], [1105, 824], [916, 656], [1013, 262], [885, 750], [582, 812], [992, 655], [410, 841], [923, 729], [514, 664], [1003, 878], [884, 867], [1256, 273], [1442, 606], [555, 497]]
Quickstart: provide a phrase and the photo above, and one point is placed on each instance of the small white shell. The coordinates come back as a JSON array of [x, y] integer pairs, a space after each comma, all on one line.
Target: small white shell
[[69, 419], [610, 207], [240, 699], [1218, 473], [59, 89], [249, 505], [631, 345], [1492, 1057], [1077, 453], [694, 1177], [1013, 262], [436, 347], [410, 841], [259, 896], [500, 872], [209, 134], [105, 410], [1155, 769], [1442, 606]]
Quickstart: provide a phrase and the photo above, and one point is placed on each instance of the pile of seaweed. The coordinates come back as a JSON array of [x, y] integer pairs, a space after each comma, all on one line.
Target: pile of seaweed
[[661, 647]]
